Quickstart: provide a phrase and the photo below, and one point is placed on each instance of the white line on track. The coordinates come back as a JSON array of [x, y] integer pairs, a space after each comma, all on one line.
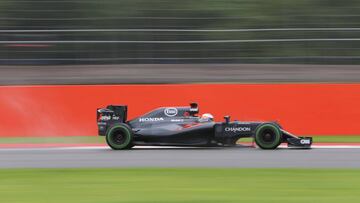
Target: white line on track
[[163, 147], [90, 148], [335, 147]]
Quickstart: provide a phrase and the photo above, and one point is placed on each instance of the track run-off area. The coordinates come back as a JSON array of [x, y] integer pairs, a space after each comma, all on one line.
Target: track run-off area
[[100, 156]]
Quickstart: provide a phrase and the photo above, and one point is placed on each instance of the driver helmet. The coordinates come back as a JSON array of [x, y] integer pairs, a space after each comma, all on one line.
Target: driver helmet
[[206, 117]]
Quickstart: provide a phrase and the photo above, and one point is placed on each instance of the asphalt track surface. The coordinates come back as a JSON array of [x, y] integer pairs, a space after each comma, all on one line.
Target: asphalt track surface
[[240, 157], [178, 73]]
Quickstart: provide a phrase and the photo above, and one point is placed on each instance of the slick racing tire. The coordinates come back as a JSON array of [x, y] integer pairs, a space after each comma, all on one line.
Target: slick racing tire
[[120, 136], [268, 136]]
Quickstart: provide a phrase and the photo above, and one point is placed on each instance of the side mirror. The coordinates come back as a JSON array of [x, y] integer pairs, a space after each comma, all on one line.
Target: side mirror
[[227, 119]]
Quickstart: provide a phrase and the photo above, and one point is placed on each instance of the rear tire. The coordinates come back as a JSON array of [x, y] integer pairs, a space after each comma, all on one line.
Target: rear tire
[[268, 136], [119, 137]]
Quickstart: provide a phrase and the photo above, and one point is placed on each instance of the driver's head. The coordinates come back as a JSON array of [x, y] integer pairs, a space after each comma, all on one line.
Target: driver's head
[[206, 117]]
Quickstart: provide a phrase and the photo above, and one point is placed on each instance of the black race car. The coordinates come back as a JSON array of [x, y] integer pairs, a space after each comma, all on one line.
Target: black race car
[[180, 126]]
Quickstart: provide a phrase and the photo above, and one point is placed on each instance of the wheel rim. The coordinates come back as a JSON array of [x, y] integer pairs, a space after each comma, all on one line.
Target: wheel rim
[[268, 136], [118, 137]]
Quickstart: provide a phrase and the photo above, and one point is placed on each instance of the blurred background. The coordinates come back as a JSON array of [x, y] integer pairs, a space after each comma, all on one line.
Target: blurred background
[[185, 42], [46, 32], [170, 41]]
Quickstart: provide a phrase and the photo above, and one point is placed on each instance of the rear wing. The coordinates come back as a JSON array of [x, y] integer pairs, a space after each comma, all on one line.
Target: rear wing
[[106, 117], [112, 113]]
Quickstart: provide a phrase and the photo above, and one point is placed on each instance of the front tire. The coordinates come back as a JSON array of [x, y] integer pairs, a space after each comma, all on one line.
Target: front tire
[[268, 136], [119, 137]]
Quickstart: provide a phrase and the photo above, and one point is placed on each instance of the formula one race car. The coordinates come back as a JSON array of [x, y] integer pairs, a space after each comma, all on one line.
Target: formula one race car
[[180, 126]]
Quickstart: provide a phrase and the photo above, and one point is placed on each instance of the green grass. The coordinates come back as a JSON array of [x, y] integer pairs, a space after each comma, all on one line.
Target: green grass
[[179, 185], [100, 140], [337, 139]]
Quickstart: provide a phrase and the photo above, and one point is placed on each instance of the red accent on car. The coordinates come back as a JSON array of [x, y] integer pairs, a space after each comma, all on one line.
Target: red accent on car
[[191, 125], [99, 117]]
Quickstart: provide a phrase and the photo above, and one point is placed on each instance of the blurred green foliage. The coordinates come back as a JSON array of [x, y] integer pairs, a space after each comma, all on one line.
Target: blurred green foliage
[[186, 14], [179, 185]]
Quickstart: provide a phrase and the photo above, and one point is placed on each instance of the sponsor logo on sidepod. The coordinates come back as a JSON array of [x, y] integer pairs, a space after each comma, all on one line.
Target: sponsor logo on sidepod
[[237, 129], [304, 141], [150, 119], [177, 120], [171, 111]]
